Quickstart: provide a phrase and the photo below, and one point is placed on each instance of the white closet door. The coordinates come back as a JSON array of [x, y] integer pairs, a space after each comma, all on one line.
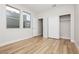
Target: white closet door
[[65, 30], [45, 27]]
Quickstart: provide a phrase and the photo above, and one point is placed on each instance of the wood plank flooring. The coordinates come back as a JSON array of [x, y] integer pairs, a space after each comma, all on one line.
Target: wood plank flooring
[[40, 45]]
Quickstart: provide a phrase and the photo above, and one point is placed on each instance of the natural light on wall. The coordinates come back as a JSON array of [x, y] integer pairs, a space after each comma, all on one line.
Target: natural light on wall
[[28, 16], [11, 9]]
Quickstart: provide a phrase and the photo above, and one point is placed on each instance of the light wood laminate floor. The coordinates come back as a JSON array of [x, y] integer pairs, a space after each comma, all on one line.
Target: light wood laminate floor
[[40, 45]]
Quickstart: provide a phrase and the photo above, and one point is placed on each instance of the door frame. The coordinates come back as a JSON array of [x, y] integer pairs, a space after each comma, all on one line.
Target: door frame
[[60, 28]]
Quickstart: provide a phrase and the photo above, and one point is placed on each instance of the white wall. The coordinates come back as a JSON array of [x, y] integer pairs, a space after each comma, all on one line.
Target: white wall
[[53, 20], [11, 35], [76, 26]]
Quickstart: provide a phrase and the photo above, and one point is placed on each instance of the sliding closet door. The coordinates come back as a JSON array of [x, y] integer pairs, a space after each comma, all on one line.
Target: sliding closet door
[[65, 27]]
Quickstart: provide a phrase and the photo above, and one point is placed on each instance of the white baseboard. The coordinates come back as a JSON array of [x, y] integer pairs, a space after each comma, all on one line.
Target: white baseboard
[[72, 41], [9, 42], [36, 35], [65, 37], [75, 44]]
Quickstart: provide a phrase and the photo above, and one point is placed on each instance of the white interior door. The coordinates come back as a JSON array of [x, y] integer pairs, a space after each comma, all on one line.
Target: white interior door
[[45, 27]]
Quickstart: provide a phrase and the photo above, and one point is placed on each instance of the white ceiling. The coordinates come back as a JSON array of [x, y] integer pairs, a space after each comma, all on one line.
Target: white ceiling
[[38, 7]]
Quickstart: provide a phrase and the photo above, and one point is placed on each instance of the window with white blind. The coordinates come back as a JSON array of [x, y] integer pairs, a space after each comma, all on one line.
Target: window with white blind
[[13, 17], [26, 20]]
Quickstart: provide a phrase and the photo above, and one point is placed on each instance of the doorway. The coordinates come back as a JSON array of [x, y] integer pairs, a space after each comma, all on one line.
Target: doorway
[[65, 26], [40, 23]]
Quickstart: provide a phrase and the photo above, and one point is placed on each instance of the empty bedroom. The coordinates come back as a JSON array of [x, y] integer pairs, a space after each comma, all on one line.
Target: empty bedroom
[[39, 29]]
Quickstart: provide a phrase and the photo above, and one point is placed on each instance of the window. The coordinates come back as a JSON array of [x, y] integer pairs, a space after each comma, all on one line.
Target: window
[[26, 20], [13, 17]]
